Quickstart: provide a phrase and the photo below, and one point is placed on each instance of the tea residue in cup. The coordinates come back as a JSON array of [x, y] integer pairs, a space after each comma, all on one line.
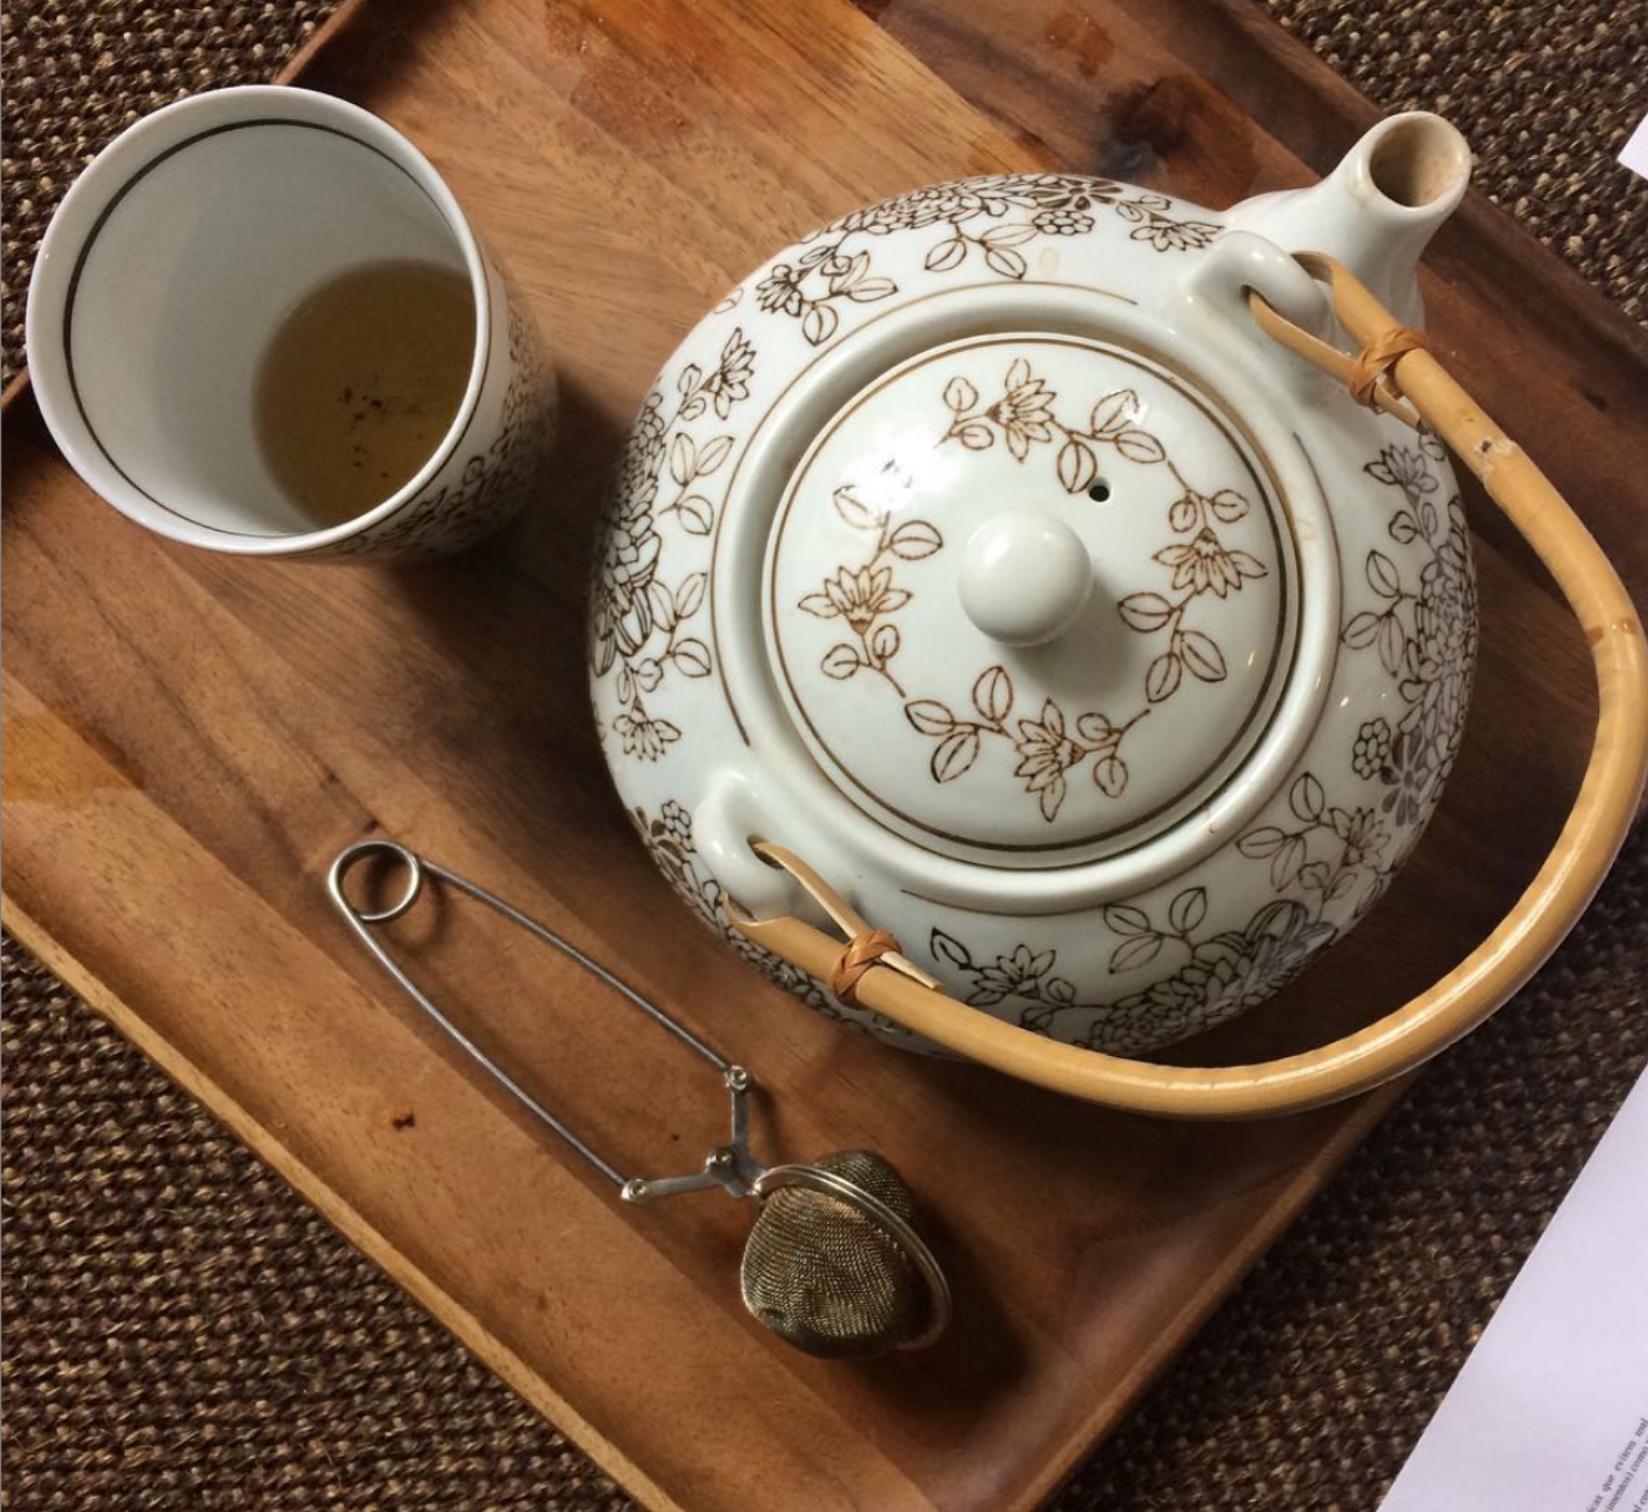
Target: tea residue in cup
[[361, 382]]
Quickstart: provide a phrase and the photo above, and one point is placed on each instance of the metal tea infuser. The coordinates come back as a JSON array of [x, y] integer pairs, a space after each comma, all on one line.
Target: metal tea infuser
[[833, 1263]]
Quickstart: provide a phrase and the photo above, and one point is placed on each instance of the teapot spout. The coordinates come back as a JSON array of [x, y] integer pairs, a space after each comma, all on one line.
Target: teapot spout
[[1377, 210]]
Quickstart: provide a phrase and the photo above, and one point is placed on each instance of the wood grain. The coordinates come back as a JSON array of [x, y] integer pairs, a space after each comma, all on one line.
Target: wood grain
[[189, 739]]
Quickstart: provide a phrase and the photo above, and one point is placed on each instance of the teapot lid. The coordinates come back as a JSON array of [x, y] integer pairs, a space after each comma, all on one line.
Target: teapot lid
[[1031, 598]]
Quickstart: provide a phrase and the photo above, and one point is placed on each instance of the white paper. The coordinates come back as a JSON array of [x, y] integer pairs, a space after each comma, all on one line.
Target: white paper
[[1635, 155], [1550, 1413]]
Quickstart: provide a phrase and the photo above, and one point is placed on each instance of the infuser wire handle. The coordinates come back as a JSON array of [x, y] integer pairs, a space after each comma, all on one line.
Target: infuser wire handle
[[730, 1166], [1395, 372], [830, 1266]]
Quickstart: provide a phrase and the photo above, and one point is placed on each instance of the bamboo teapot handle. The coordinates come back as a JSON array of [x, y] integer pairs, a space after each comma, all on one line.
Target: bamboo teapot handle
[[1395, 372]]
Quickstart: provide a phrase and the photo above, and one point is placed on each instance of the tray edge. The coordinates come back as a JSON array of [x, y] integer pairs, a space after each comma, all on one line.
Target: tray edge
[[339, 1214]]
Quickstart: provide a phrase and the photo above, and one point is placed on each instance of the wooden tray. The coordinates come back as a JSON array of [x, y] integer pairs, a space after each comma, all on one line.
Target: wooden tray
[[190, 738]]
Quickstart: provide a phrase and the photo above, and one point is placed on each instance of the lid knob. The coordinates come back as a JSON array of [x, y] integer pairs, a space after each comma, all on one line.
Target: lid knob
[[1025, 576]]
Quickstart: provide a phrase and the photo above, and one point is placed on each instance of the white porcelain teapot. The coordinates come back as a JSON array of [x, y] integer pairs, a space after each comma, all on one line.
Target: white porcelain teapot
[[983, 559]]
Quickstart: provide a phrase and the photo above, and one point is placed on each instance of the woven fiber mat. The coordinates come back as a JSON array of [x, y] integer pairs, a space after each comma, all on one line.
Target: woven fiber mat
[[183, 1332]]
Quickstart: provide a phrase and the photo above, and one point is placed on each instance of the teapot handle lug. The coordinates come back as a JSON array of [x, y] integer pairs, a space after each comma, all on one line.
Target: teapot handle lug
[[730, 828], [1240, 263], [723, 826]]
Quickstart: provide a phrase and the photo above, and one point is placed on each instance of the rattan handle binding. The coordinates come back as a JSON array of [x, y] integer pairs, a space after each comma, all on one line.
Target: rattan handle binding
[[1411, 385]]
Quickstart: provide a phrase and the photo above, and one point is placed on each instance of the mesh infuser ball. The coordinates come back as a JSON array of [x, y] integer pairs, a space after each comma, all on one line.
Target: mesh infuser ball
[[833, 1271]]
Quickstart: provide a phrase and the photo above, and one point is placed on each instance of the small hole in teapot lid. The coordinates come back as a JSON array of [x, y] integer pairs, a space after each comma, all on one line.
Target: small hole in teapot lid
[[1099, 492]]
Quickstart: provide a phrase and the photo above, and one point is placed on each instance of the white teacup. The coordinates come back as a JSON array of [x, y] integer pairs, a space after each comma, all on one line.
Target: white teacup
[[172, 263]]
